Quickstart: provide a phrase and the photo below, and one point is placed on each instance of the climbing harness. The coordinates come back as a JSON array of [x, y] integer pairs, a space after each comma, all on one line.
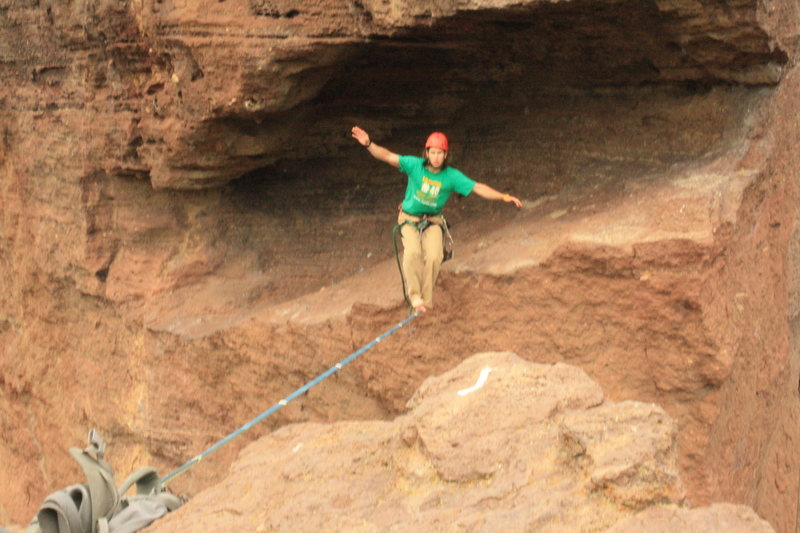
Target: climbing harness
[[447, 241], [338, 366], [423, 224], [399, 267]]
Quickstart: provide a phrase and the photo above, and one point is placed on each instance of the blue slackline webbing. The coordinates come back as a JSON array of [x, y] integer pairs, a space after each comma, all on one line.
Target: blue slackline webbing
[[285, 401]]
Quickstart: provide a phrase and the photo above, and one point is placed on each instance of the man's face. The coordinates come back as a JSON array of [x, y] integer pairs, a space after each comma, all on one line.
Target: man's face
[[436, 157]]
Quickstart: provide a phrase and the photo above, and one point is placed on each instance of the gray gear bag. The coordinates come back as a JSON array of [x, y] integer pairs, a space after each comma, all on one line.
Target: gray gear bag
[[97, 506]]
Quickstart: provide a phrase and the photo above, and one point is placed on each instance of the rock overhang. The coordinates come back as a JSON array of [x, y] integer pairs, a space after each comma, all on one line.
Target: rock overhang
[[271, 85]]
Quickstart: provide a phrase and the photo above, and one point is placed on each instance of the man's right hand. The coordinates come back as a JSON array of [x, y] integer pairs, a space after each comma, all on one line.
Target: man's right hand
[[361, 136]]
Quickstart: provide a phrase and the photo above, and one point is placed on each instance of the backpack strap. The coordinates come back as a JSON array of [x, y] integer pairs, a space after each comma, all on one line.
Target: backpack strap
[[65, 511], [100, 477], [146, 480], [148, 486], [83, 500]]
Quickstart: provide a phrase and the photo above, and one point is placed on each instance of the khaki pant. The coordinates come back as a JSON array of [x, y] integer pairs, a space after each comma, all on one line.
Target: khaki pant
[[422, 258]]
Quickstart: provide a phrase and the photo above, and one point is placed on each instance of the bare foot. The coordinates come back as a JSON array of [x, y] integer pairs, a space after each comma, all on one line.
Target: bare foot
[[420, 308]]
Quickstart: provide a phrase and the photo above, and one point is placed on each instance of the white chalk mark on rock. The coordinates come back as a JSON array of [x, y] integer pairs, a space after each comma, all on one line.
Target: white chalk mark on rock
[[478, 384]]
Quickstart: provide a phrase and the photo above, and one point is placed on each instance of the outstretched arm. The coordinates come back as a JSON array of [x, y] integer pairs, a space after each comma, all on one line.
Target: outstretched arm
[[484, 191], [378, 152]]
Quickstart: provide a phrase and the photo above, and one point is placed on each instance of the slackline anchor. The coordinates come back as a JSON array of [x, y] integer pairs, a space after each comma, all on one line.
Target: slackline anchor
[[332, 370]]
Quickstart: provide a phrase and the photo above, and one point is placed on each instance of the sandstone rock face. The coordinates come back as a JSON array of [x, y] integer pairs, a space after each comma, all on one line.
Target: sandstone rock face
[[496, 444], [194, 94], [187, 232], [719, 516]]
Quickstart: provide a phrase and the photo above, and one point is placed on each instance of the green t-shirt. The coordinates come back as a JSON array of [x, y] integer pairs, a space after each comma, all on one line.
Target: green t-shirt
[[427, 192]]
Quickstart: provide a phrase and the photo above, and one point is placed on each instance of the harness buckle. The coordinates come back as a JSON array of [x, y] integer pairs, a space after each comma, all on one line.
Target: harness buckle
[[423, 224]]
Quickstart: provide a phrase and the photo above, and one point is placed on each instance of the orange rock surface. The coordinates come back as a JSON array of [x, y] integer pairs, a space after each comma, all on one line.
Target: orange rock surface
[[188, 233]]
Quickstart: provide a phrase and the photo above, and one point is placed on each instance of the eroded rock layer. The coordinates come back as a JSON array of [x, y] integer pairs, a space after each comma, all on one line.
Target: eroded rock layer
[[193, 94]]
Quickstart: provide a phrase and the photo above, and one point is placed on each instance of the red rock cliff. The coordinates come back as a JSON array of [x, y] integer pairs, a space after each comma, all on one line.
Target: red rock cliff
[[188, 232]]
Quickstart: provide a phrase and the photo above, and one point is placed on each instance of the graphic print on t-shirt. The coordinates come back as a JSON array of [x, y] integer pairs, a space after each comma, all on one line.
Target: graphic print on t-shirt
[[428, 193]]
